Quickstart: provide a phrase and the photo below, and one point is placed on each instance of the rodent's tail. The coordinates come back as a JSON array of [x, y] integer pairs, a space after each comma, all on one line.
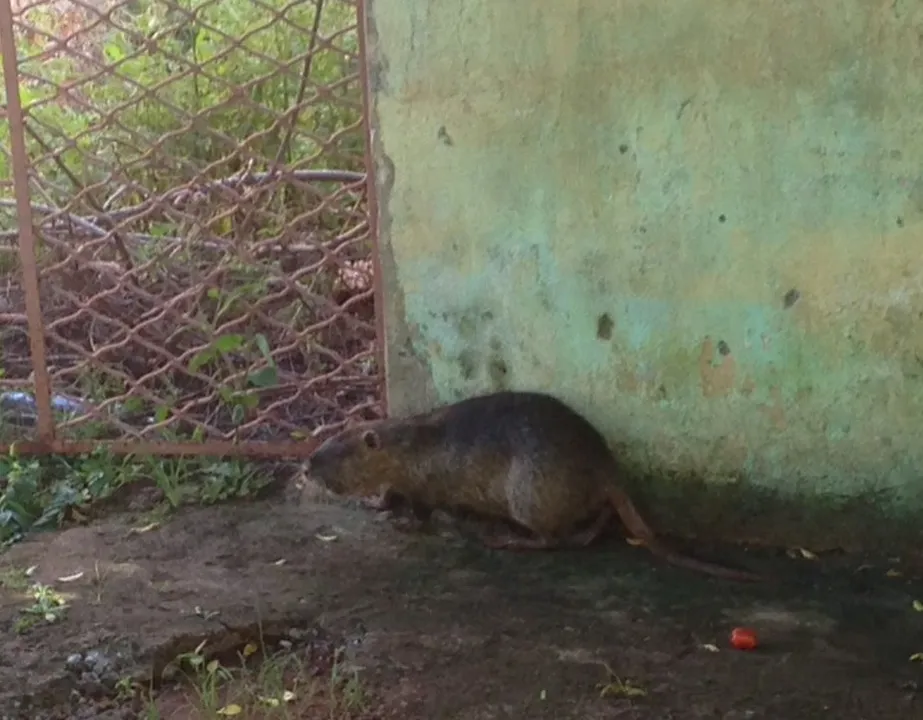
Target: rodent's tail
[[637, 526], [719, 571]]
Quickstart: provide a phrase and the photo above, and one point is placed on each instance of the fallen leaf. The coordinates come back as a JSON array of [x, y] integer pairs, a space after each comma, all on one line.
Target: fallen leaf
[[710, 647], [917, 657], [71, 578], [144, 528], [634, 542], [892, 573], [918, 606], [326, 538], [287, 696], [229, 710], [249, 649], [807, 554], [542, 695], [30, 571], [280, 561]]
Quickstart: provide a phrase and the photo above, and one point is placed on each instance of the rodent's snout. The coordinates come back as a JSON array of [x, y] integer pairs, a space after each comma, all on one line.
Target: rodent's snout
[[311, 468]]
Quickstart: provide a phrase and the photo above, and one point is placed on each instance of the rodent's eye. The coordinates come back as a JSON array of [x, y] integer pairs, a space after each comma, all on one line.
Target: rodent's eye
[[371, 440]]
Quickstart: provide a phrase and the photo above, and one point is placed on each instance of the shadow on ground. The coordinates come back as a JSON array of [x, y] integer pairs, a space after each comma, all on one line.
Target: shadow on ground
[[441, 628]]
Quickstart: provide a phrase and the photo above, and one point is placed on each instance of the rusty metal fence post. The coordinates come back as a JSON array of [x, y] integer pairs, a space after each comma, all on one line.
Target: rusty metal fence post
[[197, 264], [27, 249], [368, 103]]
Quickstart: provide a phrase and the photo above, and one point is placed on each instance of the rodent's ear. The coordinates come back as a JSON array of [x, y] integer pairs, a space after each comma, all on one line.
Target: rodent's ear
[[371, 439]]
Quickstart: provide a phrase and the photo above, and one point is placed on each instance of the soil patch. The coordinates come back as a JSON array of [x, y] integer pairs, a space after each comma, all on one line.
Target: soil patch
[[438, 627]]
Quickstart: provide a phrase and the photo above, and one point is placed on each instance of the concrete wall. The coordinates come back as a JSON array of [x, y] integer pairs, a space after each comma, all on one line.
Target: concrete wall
[[700, 222]]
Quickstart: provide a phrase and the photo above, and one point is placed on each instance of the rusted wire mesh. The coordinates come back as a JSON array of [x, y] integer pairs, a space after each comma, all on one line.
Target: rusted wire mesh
[[197, 179]]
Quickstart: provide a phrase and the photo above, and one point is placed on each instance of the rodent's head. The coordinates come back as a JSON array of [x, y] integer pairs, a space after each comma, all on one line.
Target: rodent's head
[[347, 462]]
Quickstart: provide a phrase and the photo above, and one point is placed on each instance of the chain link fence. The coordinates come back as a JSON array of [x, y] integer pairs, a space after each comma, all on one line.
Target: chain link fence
[[195, 175]]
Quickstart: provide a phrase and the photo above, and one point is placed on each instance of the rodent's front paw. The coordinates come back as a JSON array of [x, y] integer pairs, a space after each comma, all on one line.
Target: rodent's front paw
[[407, 524], [378, 502]]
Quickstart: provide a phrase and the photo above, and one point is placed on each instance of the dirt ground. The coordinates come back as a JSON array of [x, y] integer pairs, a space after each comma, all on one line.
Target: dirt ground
[[438, 627]]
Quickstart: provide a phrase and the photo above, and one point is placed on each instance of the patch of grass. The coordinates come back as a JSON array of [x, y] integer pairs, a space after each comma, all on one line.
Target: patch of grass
[[13, 578], [184, 480], [277, 686], [45, 492], [615, 687]]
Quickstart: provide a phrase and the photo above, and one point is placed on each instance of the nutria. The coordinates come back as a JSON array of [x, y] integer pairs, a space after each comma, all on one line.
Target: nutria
[[521, 456]]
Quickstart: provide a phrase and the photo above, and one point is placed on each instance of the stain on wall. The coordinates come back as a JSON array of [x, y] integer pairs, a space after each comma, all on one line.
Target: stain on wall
[[701, 223]]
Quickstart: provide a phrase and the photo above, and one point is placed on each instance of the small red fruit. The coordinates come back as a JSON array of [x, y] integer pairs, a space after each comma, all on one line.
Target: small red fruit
[[743, 639]]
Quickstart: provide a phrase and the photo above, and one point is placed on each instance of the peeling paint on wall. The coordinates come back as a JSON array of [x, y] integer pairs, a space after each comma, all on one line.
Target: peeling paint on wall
[[700, 223]]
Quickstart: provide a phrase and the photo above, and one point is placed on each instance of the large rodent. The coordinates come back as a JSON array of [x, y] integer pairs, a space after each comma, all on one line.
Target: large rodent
[[521, 456]]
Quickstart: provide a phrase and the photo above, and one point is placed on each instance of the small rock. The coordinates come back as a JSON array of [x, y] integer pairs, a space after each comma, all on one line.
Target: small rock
[[102, 665]]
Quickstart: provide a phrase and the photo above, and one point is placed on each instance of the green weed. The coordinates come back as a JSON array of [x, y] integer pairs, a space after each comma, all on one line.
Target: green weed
[[48, 606], [249, 74], [277, 686], [197, 96], [45, 492]]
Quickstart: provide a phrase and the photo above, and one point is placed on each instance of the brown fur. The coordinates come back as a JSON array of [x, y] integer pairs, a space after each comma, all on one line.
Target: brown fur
[[520, 456]]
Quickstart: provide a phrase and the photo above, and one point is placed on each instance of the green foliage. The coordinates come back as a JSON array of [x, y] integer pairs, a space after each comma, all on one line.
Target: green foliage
[[37, 494], [185, 480], [48, 606], [144, 100], [41, 493], [193, 85], [227, 349]]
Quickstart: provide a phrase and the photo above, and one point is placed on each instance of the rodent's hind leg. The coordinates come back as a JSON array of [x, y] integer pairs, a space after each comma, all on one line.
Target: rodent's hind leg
[[590, 534], [544, 542], [630, 516]]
